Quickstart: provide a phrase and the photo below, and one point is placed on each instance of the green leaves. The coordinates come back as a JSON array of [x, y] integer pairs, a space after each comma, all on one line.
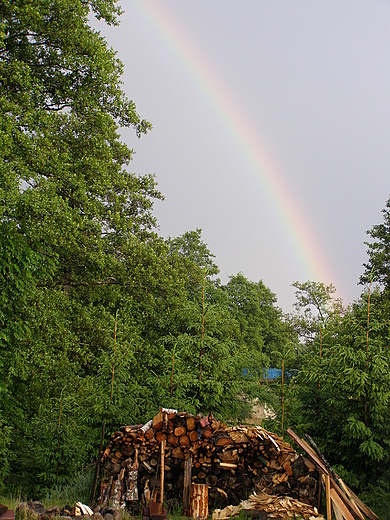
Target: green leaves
[[345, 389], [80, 259]]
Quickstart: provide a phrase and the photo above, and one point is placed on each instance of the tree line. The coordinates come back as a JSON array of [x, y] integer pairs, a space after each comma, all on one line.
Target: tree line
[[103, 320]]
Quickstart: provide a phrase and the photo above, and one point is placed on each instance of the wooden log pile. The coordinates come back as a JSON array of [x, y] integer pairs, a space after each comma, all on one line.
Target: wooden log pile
[[232, 461]]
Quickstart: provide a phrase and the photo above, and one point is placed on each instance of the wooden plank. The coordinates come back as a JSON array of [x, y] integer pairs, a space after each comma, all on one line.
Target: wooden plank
[[340, 505], [355, 507], [319, 491], [310, 452], [345, 500], [187, 486], [337, 512], [328, 498], [361, 505], [321, 466]]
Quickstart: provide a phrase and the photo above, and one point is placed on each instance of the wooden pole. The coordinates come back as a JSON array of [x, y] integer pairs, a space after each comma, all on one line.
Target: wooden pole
[[282, 393], [367, 335], [173, 362], [319, 491], [97, 470], [113, 358], [187, 486], [319, 373], [201, 340], [162, 471], [58, 436], [328, 500]]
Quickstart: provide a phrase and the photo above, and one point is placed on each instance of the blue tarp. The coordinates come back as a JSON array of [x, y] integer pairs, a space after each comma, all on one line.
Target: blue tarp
[[271, 373]]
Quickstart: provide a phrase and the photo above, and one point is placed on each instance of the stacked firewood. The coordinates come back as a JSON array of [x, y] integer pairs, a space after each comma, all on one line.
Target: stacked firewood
[[232, 461]]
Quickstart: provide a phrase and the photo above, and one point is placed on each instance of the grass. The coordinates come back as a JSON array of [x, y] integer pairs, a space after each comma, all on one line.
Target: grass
[[77, 490], [11, 501]]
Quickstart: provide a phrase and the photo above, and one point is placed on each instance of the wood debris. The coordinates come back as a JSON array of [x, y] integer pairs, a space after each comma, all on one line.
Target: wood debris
[[283, 507], [275, 507]]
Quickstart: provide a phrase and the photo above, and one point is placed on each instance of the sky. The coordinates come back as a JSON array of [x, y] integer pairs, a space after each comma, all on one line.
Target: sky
[[271, 130]]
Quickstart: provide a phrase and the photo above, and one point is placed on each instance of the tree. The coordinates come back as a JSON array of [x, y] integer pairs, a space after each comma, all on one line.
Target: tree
[[345, 394], [316, 308], [262, 328], [377, 268], [74, 223]]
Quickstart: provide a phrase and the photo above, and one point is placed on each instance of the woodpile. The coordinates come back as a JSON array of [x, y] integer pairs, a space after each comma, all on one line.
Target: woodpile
[[274, 506], [232, 461]]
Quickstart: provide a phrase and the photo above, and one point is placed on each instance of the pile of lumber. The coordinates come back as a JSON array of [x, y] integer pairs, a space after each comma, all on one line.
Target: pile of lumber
[[232, 461], [339, 497]]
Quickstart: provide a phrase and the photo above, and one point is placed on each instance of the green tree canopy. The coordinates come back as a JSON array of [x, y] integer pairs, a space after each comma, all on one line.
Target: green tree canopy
[[377, 268]]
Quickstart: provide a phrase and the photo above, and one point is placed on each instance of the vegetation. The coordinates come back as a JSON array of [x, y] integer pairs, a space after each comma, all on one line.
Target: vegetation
[[103, 321]]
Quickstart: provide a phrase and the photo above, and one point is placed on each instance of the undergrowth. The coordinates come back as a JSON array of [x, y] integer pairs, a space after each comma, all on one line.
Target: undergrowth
[[77, 490]]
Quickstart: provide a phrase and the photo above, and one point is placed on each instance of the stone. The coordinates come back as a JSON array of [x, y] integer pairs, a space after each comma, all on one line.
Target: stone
[[53, 511], [38, 507], [24, 511], [108, 516]]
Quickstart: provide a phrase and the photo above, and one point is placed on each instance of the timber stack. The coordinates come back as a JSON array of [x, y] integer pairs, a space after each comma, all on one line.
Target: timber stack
[[232, 461]]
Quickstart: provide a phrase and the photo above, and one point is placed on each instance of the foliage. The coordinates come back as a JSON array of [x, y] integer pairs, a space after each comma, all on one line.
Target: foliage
[[344, 391], [377, 268], [102, 321], [78, 489]]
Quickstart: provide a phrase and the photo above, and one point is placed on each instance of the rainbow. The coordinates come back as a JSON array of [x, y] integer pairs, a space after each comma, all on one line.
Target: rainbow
[[245, 136]]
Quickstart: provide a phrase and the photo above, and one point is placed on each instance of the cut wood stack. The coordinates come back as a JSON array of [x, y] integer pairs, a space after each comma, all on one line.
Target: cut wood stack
[[232, 461]]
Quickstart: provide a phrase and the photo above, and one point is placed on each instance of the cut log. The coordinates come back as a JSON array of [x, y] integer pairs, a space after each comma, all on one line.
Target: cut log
[[177, 453], [172, 439], [184, 440], [158, 421], [207, 432], [193, 435], [179, 431], [191, 423]]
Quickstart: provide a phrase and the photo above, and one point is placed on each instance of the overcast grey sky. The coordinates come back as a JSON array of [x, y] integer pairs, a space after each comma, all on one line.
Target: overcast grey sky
[[307, 83]]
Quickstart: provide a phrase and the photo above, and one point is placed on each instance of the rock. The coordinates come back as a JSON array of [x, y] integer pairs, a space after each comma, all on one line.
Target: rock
[[24, 511], [53, 511], [108, 516], [38, 507], [117, 515], [96, 516]]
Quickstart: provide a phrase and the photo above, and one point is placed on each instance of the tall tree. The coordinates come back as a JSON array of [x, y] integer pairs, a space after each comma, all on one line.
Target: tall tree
[[377, 268], [74, 223], [261, 322]]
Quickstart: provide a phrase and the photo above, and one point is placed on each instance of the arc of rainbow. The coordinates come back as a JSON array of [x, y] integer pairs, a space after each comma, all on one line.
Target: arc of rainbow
[[245, 135]]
